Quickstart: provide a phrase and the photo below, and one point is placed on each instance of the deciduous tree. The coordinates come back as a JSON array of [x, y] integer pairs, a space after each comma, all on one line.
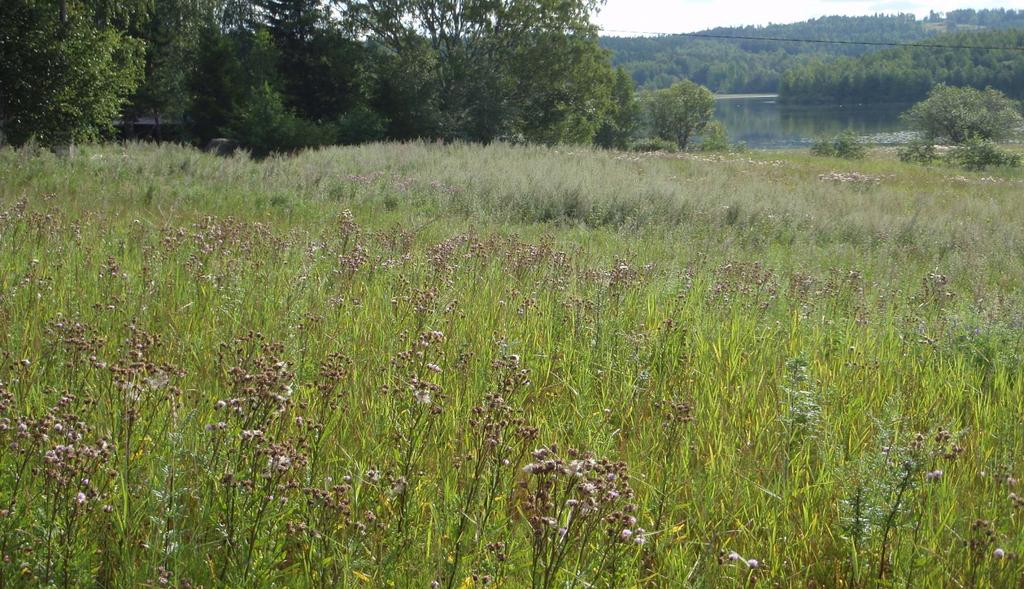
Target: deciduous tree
[[680, 112], [501, 67], [63, 78]]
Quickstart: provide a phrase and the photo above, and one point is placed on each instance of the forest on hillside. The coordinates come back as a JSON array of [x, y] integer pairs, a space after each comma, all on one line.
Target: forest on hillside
[[757, 66], [907, 74]]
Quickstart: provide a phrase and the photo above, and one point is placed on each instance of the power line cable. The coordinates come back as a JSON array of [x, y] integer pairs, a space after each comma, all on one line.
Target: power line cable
[[820, 41]]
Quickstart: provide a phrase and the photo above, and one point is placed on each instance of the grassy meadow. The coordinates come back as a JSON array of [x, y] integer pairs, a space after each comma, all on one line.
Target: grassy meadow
[[458, 366]]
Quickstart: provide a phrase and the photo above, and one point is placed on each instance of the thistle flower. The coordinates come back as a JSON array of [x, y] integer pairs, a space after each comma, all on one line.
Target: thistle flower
[[279, 463], [251, 434]]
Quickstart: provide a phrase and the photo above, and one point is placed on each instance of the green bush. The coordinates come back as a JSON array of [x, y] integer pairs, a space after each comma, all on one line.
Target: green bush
[[848, 146], [264, 126], [845, 145], [959, 114], [653, 144], [978, 154], [822, 147], [360, 125], [919, 151], [714, 137]]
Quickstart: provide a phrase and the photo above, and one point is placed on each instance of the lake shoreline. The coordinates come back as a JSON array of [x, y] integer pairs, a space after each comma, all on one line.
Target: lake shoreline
[[746, 96]]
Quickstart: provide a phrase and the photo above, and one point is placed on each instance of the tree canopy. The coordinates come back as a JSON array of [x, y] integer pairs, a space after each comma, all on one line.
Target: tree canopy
[[680, 112], [500, 68], [309, 72], [63, 77]]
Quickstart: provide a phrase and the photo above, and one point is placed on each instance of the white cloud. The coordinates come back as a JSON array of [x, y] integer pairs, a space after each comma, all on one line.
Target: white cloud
[[674, 16]]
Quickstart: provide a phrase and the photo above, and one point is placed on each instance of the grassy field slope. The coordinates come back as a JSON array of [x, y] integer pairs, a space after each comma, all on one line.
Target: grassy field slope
[[399, 365]]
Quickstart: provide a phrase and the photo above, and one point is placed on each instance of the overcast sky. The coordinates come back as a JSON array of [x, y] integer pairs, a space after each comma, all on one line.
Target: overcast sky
[[687, 16]]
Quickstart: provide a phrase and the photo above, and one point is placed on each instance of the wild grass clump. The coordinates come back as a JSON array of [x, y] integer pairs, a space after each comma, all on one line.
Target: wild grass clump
[[459, 366]]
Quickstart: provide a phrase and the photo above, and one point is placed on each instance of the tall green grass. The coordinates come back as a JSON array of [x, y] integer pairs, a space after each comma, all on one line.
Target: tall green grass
[[399, 365]]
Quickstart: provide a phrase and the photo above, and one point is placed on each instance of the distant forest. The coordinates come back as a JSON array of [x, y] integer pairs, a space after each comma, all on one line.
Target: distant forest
[[742, 66], [906, 74]]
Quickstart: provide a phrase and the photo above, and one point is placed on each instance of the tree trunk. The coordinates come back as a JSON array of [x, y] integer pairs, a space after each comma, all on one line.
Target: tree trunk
[[63, 12]]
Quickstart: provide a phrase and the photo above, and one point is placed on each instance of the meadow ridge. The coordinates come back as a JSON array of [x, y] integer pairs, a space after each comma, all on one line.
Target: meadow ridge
[[421, 365]]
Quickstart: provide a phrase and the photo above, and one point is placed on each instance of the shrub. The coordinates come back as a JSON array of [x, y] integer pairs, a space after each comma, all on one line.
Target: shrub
[[978, 154], [714, 137], [360, 125], [958, 115], [653, 144], [822, 147], [264, 125], [845, 145], [919, 151]]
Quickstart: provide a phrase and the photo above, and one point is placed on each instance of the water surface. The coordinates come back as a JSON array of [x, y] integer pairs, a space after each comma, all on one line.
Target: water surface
[[762, 122]]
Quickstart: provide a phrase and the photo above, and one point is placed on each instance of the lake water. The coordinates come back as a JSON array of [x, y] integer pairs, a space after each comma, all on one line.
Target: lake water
[[762, 123]]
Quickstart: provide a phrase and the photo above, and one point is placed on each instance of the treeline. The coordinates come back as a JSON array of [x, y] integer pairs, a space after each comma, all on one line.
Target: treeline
[[757, 66], [277, 75], [994, 18], [907, 74]]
